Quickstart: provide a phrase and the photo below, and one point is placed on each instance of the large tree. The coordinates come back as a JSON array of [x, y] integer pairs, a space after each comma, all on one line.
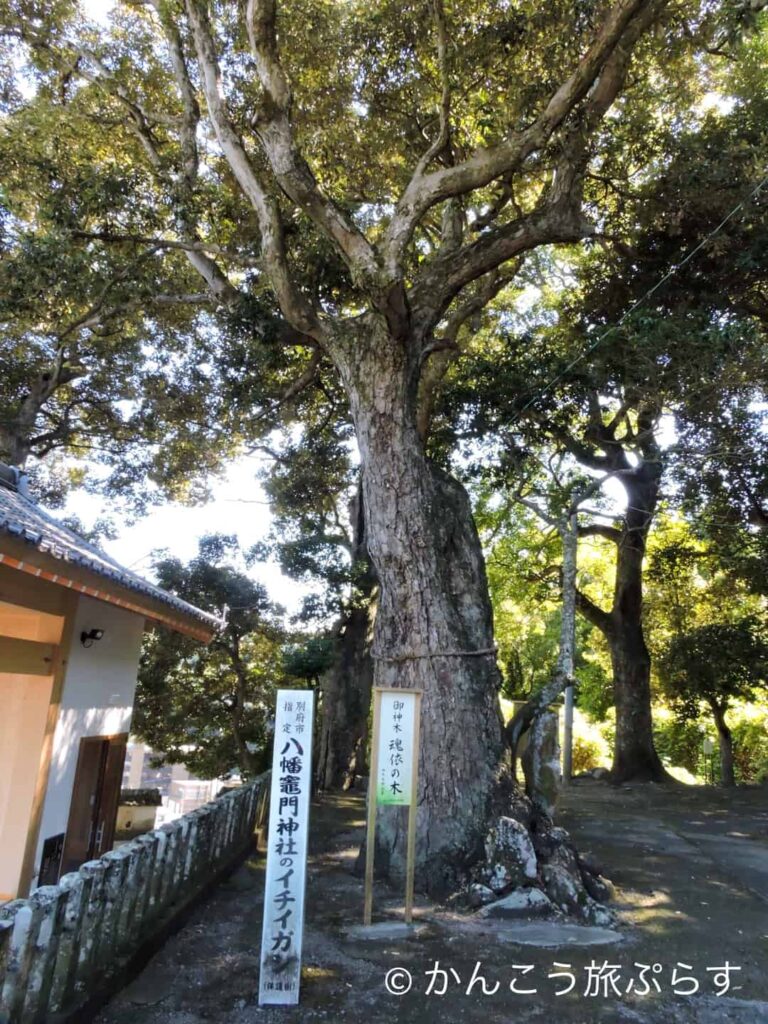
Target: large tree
[[209, 707], [716, 664], [636, 341], [379, 172]]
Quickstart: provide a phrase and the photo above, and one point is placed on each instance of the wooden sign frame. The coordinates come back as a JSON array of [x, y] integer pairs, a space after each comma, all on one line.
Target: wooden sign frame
[[370, 845]]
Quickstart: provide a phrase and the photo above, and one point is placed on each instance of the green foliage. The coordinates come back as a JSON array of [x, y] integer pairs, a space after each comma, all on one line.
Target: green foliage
[[523, 565], [717, 662], [750, 749], [586, 755], [101, 221], [99, 199], [309, 660], [594, 690], [209, 707], [679, 743]]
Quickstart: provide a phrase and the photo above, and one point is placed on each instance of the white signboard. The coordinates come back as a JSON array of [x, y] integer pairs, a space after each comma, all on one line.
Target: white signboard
[[394, 775], [287, 849]]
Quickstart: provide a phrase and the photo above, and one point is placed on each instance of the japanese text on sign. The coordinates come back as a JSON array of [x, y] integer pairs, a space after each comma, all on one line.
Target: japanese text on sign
[[287, 848], [395, 761]]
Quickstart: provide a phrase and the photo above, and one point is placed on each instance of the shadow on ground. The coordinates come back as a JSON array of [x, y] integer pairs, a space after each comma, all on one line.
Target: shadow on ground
[[691, 867]]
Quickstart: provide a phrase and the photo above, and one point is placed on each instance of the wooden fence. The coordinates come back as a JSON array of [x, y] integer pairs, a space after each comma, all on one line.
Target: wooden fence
[[69, 944]]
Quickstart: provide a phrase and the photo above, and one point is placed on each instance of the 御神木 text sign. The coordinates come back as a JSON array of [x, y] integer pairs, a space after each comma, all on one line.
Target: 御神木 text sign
[[394, 770], [394, 774], [287, 848]]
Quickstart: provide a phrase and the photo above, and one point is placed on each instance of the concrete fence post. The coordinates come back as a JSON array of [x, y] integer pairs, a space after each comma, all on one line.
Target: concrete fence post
[[65, 944]]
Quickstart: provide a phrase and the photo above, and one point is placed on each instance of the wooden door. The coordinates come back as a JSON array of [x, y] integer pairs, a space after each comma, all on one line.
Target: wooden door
[[110, 794], [95, 796]]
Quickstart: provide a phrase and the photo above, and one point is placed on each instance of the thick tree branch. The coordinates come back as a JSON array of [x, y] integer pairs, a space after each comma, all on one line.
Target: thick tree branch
[[441, 34], [444, 278], [191, 109], [598, 530], [289, 167], [567, 186], [293, 303], [537, 510], [442, 351], [593, 613], [487, 164]]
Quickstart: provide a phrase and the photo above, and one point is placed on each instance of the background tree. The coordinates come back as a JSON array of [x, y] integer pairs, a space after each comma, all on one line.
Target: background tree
[[319, 538], [209, 707], [716, 663], [79, 336], [604, 378]]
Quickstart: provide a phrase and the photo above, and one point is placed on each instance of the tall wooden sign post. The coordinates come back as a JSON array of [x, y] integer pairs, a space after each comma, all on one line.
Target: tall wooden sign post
[[282, 932], [393, 777]]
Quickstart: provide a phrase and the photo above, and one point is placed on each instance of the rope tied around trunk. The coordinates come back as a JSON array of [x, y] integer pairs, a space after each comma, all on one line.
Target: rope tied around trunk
[[415, 656]]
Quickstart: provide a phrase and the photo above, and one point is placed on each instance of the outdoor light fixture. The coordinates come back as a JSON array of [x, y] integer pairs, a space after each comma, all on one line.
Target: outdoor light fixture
[[87, 638]]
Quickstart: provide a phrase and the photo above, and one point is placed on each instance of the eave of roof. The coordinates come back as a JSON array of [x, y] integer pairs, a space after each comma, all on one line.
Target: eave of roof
[[22, 520]]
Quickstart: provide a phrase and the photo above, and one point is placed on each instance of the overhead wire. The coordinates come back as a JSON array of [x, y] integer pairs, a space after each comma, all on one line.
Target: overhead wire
[[643, 298]]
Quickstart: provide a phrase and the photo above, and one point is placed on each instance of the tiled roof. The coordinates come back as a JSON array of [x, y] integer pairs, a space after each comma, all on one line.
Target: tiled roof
[[22, 518]]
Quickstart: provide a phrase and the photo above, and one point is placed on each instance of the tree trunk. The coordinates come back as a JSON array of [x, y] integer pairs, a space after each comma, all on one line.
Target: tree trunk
[[13, 448], [434, 627], [524, 719], [346, 686], [346, 689], [634, 756], [248, 763], [727, 776]]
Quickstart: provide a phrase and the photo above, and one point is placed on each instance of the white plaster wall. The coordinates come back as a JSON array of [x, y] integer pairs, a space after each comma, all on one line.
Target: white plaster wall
[[97, 700]]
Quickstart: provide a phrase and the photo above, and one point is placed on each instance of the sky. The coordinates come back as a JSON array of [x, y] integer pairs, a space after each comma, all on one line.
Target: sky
[[239, 507]]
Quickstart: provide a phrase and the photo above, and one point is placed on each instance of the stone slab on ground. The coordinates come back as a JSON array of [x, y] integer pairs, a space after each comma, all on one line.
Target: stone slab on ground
[[520, 903], [384, 931], [552, 934]]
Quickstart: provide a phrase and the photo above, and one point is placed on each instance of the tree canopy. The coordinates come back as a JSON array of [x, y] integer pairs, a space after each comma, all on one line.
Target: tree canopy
[[341, 202], [209, 707]]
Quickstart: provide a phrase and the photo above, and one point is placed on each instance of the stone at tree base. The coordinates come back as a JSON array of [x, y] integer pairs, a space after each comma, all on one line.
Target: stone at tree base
[[569, 894], [384, 931], [541, 764], [509, 855], [565, 857], [551, 934], [600, 889], [520, 903], [521, 859], [480, 894], [499, 878], [588, 862]]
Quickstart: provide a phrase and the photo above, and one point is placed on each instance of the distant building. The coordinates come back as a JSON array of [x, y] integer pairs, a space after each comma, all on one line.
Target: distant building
[[181, 792], [71, 624]]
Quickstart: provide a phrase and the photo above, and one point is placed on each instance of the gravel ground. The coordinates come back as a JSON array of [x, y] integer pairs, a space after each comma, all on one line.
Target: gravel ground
[[691, 869]]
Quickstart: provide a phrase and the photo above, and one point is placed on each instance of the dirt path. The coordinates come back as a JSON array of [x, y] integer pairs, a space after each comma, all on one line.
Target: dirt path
[[692, 872]]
